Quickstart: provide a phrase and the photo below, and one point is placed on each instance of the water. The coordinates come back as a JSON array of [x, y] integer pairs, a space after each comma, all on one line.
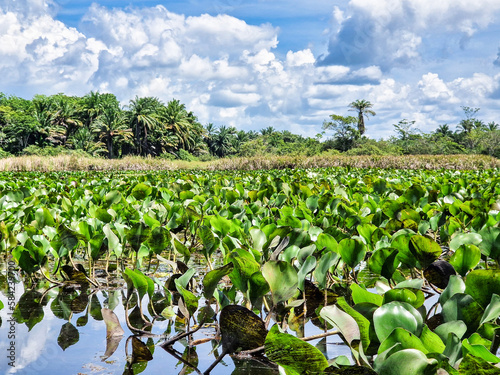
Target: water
[[40, 350]]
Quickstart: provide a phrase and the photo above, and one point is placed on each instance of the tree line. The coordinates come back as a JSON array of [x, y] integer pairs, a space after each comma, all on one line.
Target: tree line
[[97, 125]]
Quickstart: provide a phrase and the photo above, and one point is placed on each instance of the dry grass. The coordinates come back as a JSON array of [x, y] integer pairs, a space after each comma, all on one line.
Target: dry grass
[[75, 163], [459, 162]]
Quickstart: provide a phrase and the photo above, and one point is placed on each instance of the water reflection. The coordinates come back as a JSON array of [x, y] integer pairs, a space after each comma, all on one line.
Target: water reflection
[[70, 330]]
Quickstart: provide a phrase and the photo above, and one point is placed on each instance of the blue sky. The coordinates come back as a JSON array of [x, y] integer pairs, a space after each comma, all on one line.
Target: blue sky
[[254, 64]]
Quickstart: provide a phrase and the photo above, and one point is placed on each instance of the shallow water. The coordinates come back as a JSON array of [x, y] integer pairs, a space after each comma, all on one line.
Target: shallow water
[[40, 350]]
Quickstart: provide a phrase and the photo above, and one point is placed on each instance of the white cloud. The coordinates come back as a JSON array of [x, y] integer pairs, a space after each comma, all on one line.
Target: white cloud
[[392, 33]]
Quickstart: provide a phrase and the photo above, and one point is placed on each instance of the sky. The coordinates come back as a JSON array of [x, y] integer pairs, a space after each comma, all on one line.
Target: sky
[[254, 64]]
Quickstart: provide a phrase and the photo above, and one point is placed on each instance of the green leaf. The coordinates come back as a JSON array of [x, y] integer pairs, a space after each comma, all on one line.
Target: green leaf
[[424, 249], [159, 240], [352, 251], [363, 323], [141, 191], [463, 307], [464, 239], [244, 267], [360, 295], [257, 287], [221, 225], [320, 272], [490, 244], [482, 284], [137, 280], [294, 355], [455, 285], [327, 242], [137, 235], [306, 268], [479, 351], [344, 322], [492, 311], [456, 327], [407, 340], [408, 362], [259, 238], [114, 243], [384, 262], [213, 277], [282, 279], [396, 314], [465, 258], [290, 221], [414, 297], [103, 215], [190, 300], [186, 277], [431, 341], [43, 217]]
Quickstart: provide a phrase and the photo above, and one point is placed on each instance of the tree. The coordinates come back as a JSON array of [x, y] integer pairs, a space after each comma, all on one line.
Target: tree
[[444, 130], [345, 132], [267, 131], [112, 127], [222, 142], [143, 114], [363, 107]]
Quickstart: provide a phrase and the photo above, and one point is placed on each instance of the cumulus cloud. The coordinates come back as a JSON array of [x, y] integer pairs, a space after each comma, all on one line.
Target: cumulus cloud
[[391, 33]]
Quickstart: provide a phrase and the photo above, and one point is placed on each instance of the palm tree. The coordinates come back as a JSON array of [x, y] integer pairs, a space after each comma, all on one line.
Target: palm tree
[[363, 107], [267, 131], [112, 127], [444, 130], [223, 141], [143, 114]]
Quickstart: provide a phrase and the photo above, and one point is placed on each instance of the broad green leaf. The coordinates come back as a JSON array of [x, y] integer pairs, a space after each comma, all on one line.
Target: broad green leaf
[[363, 323], [327, 242], [306, 268], [294, 355], [408, 362], [465, 258], [455, 285], [479, 351], [414, 297], [431, 341], [360, 295], [424, 249], [221, 225], [257, 288], [456, 327], [320, 272], [141, 191], [351, 251], [464, 239], [396, 314], [190, 300], [282, 279], [186, 277], [407, 340], [43, 218], [213, 277], [244, 267], [463, 307], [114, 243], [137, 235], [482, 284], [490, 244], [492, 311], [384, 262], [159, 240], [258, 238]]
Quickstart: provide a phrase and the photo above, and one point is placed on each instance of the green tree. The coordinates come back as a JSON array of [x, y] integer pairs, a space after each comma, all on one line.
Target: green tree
[[363, 107], [345, 132], [112, 127], [143, 115]]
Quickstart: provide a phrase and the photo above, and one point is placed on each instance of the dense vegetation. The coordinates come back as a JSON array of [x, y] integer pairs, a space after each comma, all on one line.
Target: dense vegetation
[[97, 125], [355, 249]]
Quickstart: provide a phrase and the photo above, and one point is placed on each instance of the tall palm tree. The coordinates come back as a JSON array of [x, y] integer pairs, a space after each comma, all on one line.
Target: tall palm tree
[[143, 115], [267, 131], [223, 141], [112, 127], [444, 130], [363, 107]]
